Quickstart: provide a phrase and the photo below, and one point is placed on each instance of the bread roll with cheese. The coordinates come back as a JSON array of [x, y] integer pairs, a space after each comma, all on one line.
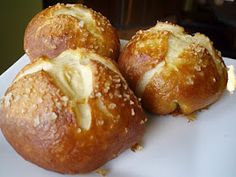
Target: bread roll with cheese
[[173, 71], [70, 26], [60, 114]]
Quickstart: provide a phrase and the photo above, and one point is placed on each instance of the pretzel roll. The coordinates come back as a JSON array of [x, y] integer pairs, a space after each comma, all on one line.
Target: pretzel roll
[[70, 26], [173, 71], [60, 114]]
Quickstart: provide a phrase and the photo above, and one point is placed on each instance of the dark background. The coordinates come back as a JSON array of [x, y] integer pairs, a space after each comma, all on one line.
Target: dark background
[[215, 18]]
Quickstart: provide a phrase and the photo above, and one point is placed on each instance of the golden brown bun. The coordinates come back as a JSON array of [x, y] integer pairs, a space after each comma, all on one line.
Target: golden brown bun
[[62, 115], [62, 27], [173, 71]]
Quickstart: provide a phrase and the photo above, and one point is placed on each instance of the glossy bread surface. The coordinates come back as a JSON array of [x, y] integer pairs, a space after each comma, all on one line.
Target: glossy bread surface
[[62, 27], [74, 125], [173, 71]]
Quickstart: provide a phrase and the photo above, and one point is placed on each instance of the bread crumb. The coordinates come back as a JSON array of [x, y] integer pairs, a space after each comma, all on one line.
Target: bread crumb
[[102, 172], [191, 117], [136, 147]]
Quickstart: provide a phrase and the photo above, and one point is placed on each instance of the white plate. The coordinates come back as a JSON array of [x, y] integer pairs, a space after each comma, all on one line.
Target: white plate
[[172, 146]]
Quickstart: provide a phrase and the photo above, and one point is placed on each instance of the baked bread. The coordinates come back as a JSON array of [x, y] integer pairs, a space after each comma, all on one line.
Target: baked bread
[[62, 27], [173, 71], [62, 115]]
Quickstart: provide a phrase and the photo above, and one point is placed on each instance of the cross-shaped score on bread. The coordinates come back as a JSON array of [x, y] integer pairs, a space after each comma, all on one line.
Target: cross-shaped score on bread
[[178, 41], [84, 16], [72, 73], [70, 26], [173, 71]]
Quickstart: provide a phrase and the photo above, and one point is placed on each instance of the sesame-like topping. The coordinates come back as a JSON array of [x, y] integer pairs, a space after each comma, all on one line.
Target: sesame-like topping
[[81, 24], [65, 100], [142, 122], [106, 90], [132, 112], [126, 96], [145, 120], [79, 130], [27, 90], [52, 115], [7, 99], [23, 110], [126, 130], [100, 122], [214, 79], [112, 106], [16, 98], [189, 81], [1, 102], [125, 86], [131, 102], [34, 107], [58, 105], [36, 121], [197, 68], [110, 95], [117, 85], [39, 100], [68, 5], [98, 94], [116, 80]]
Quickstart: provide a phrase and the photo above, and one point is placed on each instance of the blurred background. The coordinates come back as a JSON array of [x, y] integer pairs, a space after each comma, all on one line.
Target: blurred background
[[215, 18]]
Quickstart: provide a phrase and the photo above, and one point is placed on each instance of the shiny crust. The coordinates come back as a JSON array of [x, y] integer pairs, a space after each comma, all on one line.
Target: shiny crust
[[53, 30], [38, 121], [187, 82]]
